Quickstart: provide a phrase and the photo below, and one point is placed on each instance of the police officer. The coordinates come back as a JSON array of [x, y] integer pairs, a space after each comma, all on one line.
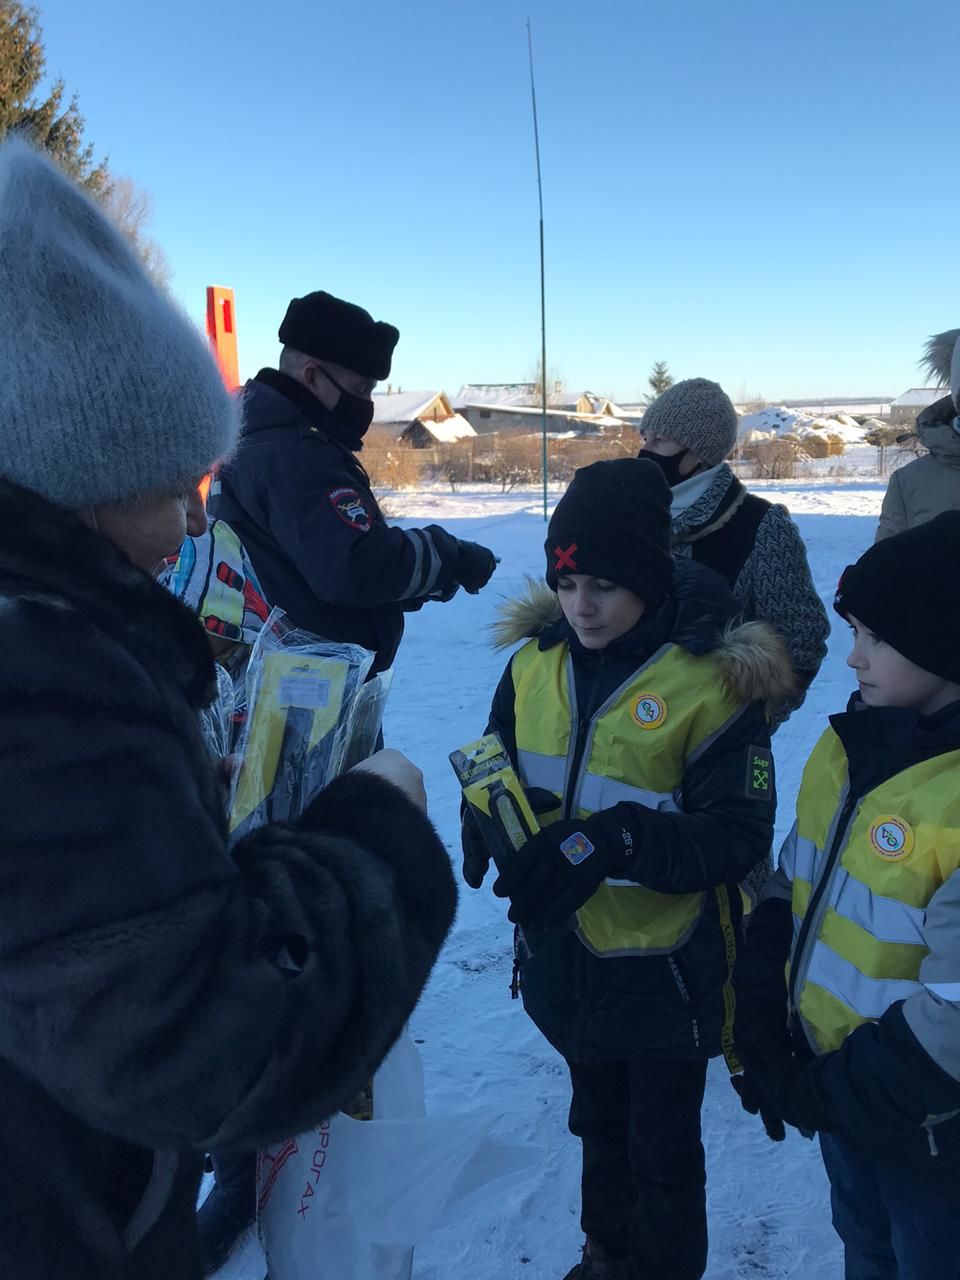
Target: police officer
[[300, 501], [302, 504]]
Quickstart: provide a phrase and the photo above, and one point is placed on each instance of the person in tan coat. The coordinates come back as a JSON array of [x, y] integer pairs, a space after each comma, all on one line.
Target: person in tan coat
[[930, 484]]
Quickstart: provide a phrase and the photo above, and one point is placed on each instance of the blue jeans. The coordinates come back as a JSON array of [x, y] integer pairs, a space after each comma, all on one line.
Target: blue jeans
[[897, 1221]]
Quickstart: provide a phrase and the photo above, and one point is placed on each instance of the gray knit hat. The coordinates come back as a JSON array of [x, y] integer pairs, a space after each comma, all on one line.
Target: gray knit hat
[[699, 415], [106, 389]]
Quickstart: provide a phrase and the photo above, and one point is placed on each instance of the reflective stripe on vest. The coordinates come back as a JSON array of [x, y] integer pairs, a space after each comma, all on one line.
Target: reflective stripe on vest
[[864, 947], [635, 749]]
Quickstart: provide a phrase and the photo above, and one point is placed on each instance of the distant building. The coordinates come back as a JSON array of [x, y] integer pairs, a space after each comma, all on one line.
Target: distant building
[[417, 418], [516, 407], [905, 410], [518, 419]]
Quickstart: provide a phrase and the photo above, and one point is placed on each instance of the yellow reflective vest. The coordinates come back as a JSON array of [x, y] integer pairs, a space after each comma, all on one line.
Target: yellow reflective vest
[[863, 872], [635, 748]]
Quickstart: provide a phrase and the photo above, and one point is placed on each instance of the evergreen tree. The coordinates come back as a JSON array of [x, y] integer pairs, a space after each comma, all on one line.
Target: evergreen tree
[[660, 378], [56, 126], [52, 123]]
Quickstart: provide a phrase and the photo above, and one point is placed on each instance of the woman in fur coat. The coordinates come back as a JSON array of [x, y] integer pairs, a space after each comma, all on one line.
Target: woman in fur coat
[[160, 995]]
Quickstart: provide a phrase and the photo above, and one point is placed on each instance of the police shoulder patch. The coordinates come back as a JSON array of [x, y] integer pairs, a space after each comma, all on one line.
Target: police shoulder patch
[[352, 509], [759, 773]]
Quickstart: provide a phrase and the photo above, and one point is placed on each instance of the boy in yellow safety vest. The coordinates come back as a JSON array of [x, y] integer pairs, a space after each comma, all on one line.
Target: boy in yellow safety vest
[[635, 717], [848, 990]]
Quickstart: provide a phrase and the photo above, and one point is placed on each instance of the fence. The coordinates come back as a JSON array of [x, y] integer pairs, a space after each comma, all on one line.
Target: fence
[[498, 458]]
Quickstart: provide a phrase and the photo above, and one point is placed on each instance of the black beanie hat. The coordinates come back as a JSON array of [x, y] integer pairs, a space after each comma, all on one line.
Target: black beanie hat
[[614, 523], [907, 590], [328, 328]]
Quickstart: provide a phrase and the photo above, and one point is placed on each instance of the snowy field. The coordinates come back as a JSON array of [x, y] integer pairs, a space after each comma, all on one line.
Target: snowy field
[[768, 1204]]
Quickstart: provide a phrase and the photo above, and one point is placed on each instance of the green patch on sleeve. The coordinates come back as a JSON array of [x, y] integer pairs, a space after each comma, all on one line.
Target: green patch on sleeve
[[759, 773]]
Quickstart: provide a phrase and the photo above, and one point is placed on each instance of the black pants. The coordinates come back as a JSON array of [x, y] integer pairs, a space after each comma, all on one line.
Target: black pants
[[644, 1179]]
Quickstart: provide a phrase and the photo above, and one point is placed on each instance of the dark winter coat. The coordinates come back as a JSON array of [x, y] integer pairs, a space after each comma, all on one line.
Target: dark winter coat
[[161, 995], [612, 1007], [302, 505], [928, 485], [882, 1084], [755, 546]]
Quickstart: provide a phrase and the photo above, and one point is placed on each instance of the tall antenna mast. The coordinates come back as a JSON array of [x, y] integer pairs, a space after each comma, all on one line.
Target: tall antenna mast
[[543, 295]]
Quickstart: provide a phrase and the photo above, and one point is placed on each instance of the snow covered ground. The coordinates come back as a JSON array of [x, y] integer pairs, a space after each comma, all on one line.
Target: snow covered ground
[[768, 1204]]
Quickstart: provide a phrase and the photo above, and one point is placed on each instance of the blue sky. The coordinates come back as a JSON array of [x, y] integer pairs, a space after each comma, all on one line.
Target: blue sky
[[760, 191]]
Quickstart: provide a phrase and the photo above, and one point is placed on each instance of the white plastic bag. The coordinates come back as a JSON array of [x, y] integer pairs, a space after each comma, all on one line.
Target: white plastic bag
[[353, 1197]]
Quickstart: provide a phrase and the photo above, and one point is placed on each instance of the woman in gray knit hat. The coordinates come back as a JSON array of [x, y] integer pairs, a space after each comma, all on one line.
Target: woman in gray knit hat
[[689, 430], [162, 994]]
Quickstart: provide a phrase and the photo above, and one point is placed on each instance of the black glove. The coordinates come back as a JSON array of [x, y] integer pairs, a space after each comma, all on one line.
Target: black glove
[[555, 872], [476, 567], [786, 1086], [476, 855], [752, 1103]]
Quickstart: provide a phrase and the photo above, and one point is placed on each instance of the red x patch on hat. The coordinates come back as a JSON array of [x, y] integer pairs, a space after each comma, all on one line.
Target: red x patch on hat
[[564, 558]]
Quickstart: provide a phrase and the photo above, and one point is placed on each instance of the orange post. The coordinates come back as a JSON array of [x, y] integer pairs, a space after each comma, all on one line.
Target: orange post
[[222, 332]]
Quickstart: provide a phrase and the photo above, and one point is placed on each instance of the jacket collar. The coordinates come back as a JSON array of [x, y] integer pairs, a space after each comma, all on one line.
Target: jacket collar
[[47, 554], [880, 742], [305, 403], [693, 616]]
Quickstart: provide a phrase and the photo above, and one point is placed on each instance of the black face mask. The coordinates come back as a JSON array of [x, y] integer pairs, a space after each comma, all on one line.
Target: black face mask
[[353, 412], [670, 466]]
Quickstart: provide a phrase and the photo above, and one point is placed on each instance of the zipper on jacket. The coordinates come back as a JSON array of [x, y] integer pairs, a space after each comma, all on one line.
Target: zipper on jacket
[[816, 907]]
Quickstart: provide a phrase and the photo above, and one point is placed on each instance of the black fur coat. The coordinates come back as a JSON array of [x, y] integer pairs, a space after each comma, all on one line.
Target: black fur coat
[[143, 1016]]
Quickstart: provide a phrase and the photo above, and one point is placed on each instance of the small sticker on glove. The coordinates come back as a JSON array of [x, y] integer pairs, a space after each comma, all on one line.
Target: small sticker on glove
[[576, 848]]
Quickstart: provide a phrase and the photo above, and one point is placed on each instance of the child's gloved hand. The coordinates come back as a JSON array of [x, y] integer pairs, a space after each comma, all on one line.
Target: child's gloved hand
[[785, 1087], [476, 855], [555, 872]]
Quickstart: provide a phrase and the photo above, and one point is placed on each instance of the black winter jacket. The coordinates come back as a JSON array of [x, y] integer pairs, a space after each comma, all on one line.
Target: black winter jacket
[[881, 1086], [161, 995], [594, 1008], [302, 505]]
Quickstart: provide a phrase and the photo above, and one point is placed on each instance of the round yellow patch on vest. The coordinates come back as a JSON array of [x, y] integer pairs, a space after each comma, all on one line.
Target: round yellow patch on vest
[[650, 711], [892, 837]]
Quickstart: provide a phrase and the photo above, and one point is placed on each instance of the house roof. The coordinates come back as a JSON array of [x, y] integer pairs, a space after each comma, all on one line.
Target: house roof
[[404, 406], [498, 393], [449, 430], [534, 411], [919, 397]]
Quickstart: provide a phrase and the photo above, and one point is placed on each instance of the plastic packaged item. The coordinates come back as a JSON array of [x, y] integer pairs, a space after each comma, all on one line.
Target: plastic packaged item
[[300, 693], [502, 810]]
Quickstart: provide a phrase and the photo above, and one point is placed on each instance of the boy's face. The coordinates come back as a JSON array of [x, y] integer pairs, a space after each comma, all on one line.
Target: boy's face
[[599, 611], [888, 679]]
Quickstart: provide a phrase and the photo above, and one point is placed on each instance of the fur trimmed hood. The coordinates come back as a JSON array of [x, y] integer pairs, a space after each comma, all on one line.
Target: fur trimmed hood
[[936, 431], [941, 361], [753, 659]]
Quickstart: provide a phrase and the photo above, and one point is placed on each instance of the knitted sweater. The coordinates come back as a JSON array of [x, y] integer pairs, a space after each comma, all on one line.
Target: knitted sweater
[[756, 546]]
